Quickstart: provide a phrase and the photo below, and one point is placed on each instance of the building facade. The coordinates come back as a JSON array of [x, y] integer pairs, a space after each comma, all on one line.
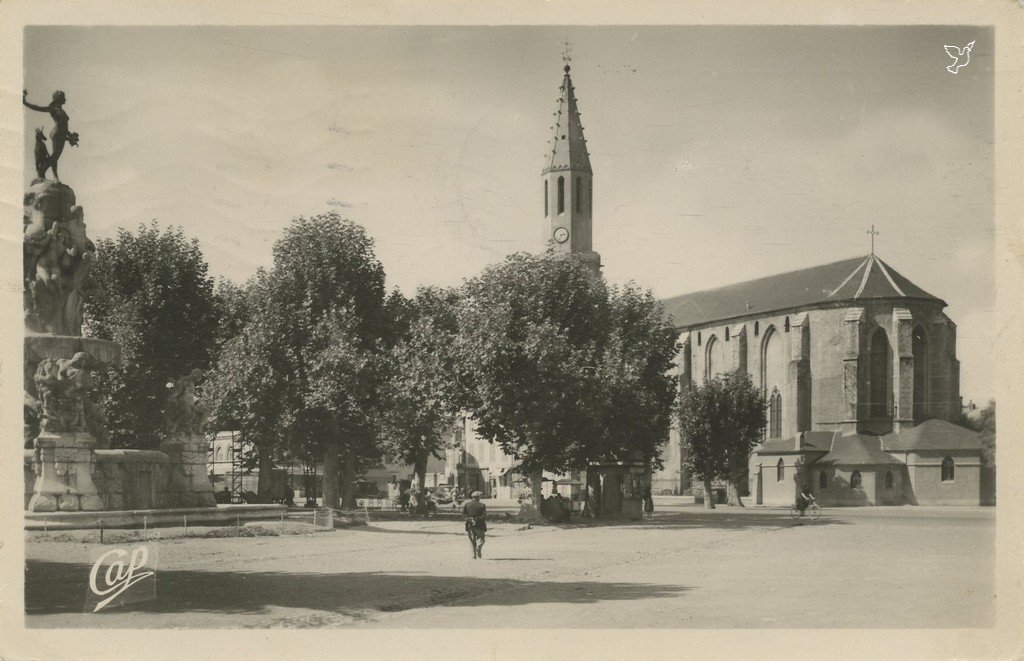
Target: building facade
[[846, 353]]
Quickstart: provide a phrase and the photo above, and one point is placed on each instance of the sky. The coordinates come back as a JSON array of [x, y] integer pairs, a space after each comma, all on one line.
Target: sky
[[720, 154]]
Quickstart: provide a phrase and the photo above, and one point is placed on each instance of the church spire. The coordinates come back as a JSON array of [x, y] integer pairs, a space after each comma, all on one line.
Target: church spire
[[568, 146], [568, 181]]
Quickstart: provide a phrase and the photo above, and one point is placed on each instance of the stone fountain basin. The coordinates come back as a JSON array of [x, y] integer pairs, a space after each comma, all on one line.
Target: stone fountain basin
[[39, 346]]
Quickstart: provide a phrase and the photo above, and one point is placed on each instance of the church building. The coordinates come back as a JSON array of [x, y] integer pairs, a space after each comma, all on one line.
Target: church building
[[851, 355]]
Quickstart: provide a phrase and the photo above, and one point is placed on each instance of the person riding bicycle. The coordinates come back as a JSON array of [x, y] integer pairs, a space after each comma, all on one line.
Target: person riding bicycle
[[804, 500]]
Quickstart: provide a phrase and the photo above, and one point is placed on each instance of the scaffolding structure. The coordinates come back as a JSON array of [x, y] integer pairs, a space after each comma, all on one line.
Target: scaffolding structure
[[237, 467]]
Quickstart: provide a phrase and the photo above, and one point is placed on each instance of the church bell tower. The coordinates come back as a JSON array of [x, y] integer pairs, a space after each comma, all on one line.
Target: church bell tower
[[568, 182]]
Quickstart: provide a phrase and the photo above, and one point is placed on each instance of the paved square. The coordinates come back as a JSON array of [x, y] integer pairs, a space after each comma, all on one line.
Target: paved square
[[906, 567]]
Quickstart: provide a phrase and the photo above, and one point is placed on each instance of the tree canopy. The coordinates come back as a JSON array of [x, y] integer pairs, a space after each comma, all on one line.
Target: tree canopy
[[720, 422], [561, 371], [318, 325], [423, 391], [157, 302]]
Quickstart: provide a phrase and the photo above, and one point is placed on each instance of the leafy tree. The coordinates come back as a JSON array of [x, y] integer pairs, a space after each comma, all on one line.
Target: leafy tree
[[157, 303], [720, 422], [326, 291], [423, 392], [342, 402], [639, 393], [985, 424], [532, 332], [983, 421], [560, 371], [247, 389], [233, 306]]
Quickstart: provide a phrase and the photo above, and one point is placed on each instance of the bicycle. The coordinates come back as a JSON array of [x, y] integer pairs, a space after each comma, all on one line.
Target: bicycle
[[812, 511]]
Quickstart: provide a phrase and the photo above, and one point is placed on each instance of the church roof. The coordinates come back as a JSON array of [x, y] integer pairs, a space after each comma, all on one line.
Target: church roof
[[933, 434], [568, 146], [806, 441], [857, 450], [848, 280]]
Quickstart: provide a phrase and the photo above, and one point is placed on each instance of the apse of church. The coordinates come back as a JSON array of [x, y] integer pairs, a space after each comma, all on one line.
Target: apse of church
[[850, 346]]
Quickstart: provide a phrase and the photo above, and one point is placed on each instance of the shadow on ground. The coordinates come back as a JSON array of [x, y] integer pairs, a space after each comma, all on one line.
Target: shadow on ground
[[55, 587]]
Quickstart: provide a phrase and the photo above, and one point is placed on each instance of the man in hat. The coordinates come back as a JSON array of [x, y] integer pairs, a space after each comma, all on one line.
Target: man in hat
[[474, 512]]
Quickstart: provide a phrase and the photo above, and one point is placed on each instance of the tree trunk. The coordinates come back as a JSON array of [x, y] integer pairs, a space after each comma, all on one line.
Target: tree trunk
[[330, 489], [734, 490], [709, 495], [419, 471], [348, 482], [529, 509], [265, 482]]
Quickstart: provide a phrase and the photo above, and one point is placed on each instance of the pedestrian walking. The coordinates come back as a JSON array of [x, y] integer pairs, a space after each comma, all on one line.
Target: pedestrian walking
[[475, 514], [648, 503]]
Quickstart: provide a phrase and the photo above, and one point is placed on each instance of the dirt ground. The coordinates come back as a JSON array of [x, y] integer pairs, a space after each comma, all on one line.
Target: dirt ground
[[908, 567]]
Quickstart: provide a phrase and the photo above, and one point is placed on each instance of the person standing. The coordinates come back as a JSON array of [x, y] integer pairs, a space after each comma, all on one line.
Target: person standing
[[475, 514], [648, 503]]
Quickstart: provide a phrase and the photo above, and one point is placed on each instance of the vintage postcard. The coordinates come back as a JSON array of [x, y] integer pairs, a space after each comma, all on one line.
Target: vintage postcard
[[479, 330]]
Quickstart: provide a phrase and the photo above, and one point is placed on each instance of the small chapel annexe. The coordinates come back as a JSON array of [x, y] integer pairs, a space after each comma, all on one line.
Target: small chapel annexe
[[851, 347]]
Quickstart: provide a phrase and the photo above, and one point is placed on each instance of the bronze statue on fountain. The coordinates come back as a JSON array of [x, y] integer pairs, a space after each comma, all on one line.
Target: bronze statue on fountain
[[65, 429], [60, 134]]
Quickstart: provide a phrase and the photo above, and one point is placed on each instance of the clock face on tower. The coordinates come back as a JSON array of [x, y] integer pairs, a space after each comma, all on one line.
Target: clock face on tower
[[561, 235]]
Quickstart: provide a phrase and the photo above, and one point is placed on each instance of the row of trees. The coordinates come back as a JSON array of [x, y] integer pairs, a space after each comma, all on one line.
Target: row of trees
[[314, 359]]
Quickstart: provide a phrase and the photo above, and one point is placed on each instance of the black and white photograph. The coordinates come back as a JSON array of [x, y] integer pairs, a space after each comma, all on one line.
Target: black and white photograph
[[497, 326]]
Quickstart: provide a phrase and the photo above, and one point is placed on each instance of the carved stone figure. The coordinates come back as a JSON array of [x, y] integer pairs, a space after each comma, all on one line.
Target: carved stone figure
[[64, 386], [33, 410], [184, 415], [58, 258], [60, 134], [48, 390]]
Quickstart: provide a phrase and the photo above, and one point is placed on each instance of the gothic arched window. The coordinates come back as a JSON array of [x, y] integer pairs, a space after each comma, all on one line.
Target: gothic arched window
[[879, 375], [948, 469], [757, 329], [780, 471], [698, 338], [787, 324], [715, 362], [545, 198], [775, 414], [855, 481], [561, 195], [726, 333]]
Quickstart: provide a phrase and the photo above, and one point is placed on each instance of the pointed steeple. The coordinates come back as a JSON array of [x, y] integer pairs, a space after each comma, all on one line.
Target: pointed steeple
[[568, 147], [568, 182]]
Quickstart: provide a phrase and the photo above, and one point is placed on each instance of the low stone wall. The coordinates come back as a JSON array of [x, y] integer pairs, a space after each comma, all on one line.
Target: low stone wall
[[131, 479], [222, 514], [139, 480]]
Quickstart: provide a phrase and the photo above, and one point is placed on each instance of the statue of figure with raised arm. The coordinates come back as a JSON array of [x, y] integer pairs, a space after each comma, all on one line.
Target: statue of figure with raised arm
[[60, 134]]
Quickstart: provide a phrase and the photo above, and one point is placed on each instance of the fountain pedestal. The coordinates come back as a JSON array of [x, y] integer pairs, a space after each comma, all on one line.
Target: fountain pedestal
[[63, 465], [189, 485]]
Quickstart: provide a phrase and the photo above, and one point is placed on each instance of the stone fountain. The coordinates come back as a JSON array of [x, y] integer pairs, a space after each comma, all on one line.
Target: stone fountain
[[65, 470]]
